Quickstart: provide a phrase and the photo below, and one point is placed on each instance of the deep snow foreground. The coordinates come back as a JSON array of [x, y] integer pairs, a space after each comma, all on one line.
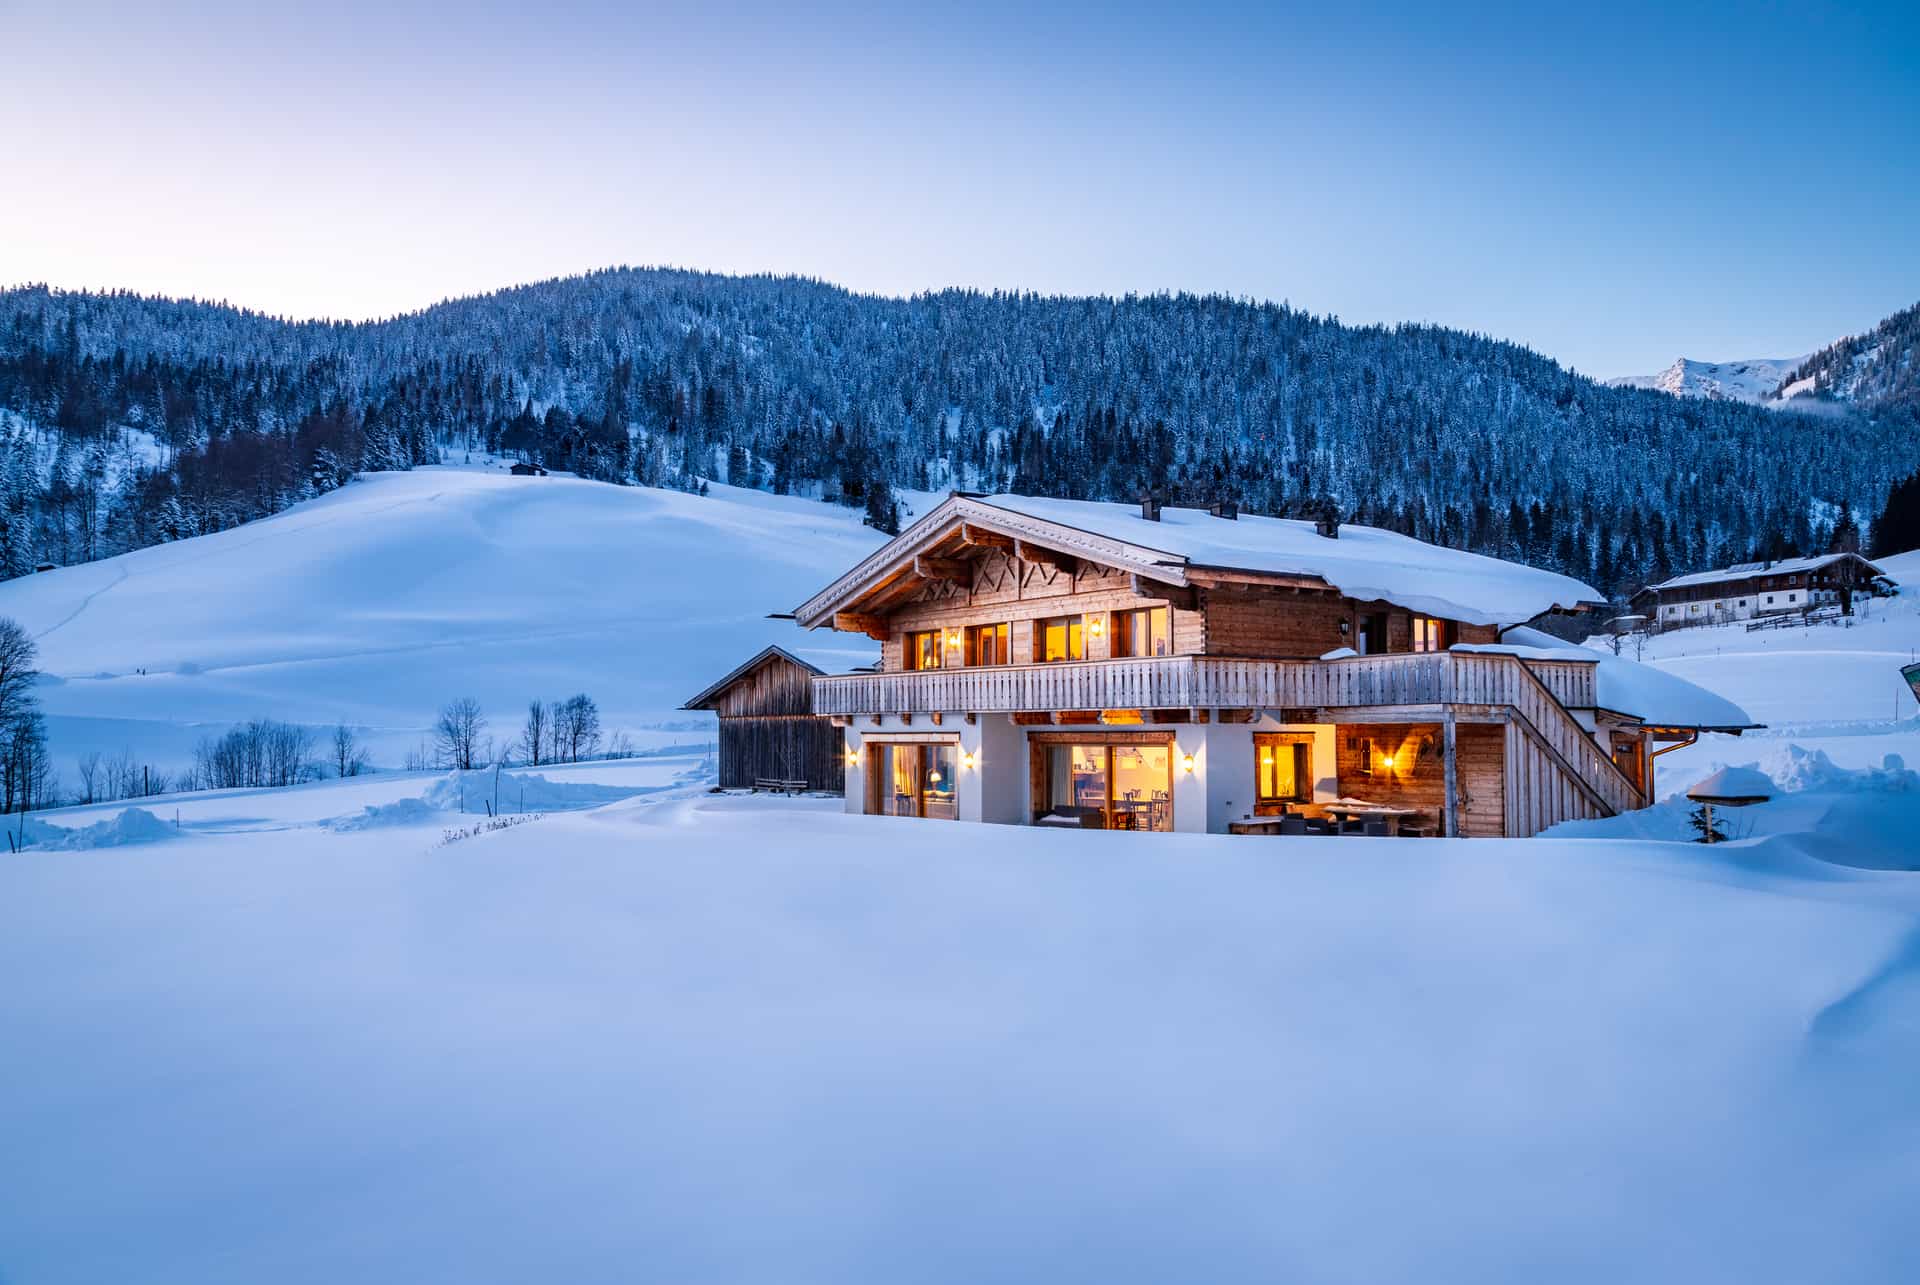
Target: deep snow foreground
[[380, 602], [752, 1040]]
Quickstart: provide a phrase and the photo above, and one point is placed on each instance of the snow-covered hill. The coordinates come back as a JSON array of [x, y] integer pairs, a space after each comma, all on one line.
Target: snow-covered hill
[[378, 603], [1752, 380], [1832, 689]]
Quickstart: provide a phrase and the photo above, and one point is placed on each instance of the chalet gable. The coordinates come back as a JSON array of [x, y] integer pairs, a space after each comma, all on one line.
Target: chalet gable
[[939, 556]]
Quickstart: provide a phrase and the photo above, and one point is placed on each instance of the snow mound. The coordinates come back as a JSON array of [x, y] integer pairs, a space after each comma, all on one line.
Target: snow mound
[[134, 825], [522, 792], [1797, 769], [379, 815], [1823, 815]]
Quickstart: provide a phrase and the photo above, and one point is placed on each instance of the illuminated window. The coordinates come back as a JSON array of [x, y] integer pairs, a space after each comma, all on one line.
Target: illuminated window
[[1058, 639], [987, 645], [1147, 632], [924, 649], [1429, 634], [1282, 772]]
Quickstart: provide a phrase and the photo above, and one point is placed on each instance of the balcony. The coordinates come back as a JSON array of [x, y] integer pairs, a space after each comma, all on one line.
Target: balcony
[[1204, 682]]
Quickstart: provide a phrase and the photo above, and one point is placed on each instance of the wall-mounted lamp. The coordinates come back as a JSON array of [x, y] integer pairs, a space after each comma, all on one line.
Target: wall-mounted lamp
[[1098, 627], [853, 758], [953, 640], [968, 760], [1186, 762], [1386, 761]]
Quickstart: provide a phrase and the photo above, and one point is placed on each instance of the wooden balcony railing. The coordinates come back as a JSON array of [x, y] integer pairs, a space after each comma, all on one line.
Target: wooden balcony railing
[[1175, 682]]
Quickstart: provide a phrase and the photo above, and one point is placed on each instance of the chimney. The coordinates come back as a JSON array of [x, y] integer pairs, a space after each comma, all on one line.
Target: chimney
[[1326, 522], [1227, 509], [1150, 506]]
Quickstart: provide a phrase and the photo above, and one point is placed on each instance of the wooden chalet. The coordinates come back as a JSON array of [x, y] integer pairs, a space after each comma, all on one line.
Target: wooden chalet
[[1071, 662], [768, 729], [1753, 589]]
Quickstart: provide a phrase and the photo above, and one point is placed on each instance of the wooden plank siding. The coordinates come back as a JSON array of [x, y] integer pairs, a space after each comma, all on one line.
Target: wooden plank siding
[[789, 747]]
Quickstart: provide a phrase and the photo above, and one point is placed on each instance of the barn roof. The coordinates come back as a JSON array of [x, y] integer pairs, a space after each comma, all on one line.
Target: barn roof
[[814, 660]]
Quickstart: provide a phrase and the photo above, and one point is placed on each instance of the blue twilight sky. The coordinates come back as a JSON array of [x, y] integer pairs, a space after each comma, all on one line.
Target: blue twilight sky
[[1615, 186]]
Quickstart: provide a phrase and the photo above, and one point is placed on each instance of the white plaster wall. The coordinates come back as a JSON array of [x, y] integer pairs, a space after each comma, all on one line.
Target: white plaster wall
[[1004, 779]]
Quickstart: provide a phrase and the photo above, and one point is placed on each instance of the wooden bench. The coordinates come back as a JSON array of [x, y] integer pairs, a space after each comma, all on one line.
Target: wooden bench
[[773, 785]]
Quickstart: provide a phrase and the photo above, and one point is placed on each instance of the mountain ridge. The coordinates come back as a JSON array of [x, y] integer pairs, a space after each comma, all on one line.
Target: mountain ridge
[[792, 385]]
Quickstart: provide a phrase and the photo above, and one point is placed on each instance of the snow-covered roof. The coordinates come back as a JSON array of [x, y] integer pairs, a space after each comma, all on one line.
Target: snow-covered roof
[[1652, 695], [1364, 563], [1735, 783], [1747, 570]]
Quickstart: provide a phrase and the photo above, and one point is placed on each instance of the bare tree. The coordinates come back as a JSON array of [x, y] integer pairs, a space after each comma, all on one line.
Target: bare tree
[[92, 776], [349, 755], [579, 728], [17, 672], [456, 736], [533, 736]]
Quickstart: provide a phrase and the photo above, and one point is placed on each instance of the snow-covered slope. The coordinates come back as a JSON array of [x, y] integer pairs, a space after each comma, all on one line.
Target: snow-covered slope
[[380, 602], [1834, 689], [1751, 380]]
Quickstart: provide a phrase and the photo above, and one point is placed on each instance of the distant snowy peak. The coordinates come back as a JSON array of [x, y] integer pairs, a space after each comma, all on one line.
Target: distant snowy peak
[[1752, 380]]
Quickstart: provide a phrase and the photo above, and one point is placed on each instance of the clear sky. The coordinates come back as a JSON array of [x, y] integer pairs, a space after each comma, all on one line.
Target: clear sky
[[1614, 186]]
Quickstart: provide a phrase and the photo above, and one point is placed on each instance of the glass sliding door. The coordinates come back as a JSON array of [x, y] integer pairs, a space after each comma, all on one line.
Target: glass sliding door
[[1142, 787], [899, 777], [917, 780], [939, 774], [1108, 786]]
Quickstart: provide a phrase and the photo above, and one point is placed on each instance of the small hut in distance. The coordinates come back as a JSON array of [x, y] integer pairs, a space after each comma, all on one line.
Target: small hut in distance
[[768, 730]]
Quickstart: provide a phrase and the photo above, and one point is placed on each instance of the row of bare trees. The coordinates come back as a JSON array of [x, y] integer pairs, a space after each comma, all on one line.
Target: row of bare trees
[[261, 753], [562, 731]]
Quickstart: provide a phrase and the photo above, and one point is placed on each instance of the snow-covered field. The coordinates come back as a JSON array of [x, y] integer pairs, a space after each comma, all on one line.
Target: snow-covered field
[[644, 1032], [378, 603], [1828, 689], [741, 1039]]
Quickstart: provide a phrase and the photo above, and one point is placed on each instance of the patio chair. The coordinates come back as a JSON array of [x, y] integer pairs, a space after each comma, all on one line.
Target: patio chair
[[1293, 825], [1376, 830]]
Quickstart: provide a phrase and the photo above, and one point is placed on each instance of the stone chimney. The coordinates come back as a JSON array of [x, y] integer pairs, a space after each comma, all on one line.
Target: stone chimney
[[1227, 509], [1326, 521], [1149, 506]]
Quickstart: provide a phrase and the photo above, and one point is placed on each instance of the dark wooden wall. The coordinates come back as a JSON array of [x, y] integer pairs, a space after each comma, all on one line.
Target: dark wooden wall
[[781, 747]]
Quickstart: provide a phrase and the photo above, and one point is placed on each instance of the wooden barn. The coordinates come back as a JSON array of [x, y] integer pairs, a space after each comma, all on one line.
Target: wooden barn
[[768, 730]]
